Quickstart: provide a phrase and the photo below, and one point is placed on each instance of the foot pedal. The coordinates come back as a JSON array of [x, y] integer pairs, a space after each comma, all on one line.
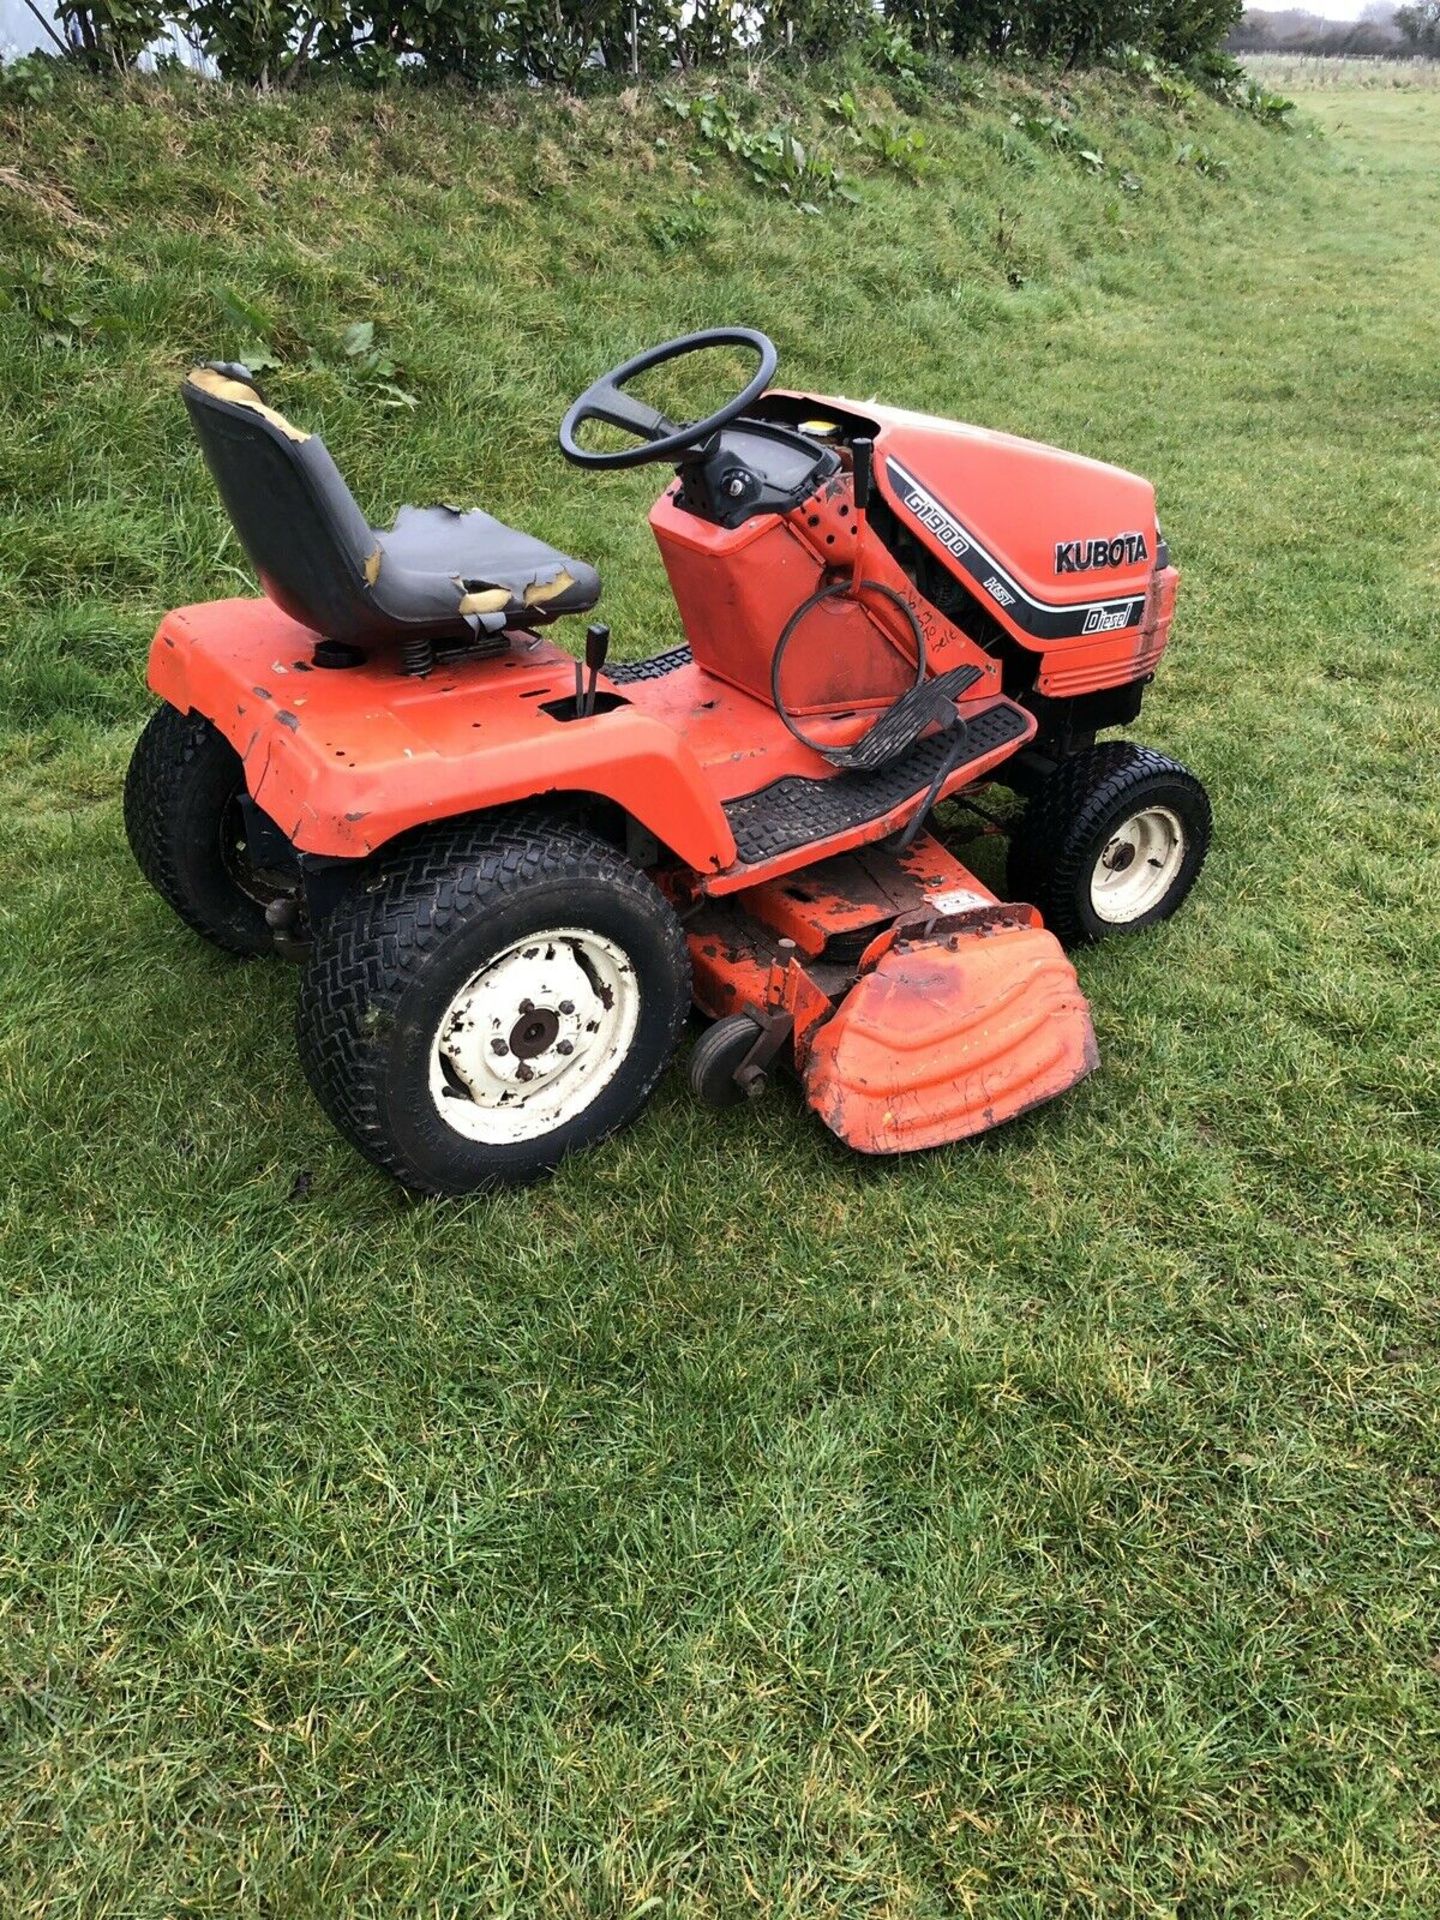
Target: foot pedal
[[932, 703]]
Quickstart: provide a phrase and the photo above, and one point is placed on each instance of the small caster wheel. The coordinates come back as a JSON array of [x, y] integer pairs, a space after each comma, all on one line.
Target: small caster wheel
[[717, 1057]]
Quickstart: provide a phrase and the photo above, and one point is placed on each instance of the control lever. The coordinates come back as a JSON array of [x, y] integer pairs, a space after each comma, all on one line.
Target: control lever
[[862, 473], [862, 455], [597, 646]]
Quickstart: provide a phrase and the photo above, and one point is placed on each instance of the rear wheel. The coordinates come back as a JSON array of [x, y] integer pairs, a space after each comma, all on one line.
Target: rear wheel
[[186, 821], [1111, 841], [495, 996]]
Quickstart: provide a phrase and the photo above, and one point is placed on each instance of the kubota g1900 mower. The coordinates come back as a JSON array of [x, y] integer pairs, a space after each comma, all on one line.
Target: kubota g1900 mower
[[508, 876]]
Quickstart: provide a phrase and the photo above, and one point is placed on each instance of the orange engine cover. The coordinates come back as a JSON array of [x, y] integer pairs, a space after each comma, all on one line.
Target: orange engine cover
[[1062, 551], [948, 1037]]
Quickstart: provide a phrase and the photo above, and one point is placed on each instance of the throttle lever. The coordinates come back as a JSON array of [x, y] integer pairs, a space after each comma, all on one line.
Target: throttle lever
[[597, 647]]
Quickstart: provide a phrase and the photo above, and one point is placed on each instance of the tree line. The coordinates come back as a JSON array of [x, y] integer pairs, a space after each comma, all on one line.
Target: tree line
[[1382, 29], [280, 42]]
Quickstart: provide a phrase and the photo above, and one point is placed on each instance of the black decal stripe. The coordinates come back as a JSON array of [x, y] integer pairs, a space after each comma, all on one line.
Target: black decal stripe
[[1044, 620]]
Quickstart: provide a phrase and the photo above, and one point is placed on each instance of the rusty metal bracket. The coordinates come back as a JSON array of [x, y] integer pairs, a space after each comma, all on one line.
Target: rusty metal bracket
[[997, 917], [775, 1020], [775, 1027]]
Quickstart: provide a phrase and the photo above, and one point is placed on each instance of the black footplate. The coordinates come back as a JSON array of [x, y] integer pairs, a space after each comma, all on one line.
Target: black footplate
[[628, 671], [931, 703], [795, 812]]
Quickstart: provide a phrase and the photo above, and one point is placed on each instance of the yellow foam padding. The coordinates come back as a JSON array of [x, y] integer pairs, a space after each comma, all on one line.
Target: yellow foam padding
[[492, 599], [548, 589], [239, 395]]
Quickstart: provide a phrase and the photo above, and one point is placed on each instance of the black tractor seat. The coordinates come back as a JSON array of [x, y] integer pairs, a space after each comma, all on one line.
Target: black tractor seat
[[438, 573]]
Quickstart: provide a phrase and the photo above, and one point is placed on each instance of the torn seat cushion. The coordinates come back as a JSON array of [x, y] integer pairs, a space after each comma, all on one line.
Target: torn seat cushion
[[436, 571], [439, 555]]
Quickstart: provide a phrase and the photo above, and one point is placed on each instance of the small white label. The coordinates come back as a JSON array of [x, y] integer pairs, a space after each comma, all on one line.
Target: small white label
[[957, 900]]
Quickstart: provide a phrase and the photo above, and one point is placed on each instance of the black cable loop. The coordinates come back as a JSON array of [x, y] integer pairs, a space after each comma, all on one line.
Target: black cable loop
[[832, 592], [947, 766]]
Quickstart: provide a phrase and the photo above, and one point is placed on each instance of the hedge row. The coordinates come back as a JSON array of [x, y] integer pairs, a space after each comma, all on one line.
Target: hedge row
[[275, 42]]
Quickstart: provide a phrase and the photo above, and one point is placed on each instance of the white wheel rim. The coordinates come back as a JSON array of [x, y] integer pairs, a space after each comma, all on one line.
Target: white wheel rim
[[1137, 866], [534, 1038]]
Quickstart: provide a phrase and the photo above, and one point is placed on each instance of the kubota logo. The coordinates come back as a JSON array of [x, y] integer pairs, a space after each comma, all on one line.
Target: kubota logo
[[1081, 556]]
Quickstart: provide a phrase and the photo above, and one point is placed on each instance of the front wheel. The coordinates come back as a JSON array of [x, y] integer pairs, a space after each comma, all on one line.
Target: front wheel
[[1111, 841], [497, 995]]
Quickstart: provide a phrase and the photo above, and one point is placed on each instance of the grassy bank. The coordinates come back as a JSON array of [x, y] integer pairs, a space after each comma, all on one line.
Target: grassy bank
[[1043, 1527]]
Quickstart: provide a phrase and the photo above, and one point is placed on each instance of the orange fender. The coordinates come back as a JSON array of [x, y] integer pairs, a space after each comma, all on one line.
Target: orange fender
[[945, 1038], [344, 760]]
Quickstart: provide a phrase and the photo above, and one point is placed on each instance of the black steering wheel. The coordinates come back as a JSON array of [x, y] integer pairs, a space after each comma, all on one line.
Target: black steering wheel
[[660, 438]]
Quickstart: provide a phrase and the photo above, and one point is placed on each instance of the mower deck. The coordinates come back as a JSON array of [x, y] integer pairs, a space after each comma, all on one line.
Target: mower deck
[[918, 1008]]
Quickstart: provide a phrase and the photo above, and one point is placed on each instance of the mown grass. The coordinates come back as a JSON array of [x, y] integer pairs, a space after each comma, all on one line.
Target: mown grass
[[1047, 1526]]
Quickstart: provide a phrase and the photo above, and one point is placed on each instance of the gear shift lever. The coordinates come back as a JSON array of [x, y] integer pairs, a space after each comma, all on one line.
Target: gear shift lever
[[597, 646]]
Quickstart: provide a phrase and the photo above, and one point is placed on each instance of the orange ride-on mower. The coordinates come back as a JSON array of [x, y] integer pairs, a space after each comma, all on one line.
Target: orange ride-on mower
[[508, 874]]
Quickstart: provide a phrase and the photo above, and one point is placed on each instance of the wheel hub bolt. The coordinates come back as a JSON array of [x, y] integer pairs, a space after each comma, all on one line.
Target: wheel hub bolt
[[565, 1046], [498, 1046], [567, 1006]]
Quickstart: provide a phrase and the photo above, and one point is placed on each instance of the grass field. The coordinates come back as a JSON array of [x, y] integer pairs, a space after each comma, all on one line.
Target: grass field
[[1049, 1526], [1307, 72]]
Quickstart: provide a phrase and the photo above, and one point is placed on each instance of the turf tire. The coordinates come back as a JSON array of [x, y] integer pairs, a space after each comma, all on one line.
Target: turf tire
[[1072, 816], [183, 781], [388, 962]]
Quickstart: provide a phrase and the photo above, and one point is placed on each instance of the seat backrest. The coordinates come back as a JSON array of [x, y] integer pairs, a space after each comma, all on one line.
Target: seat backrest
[[293, 514]]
